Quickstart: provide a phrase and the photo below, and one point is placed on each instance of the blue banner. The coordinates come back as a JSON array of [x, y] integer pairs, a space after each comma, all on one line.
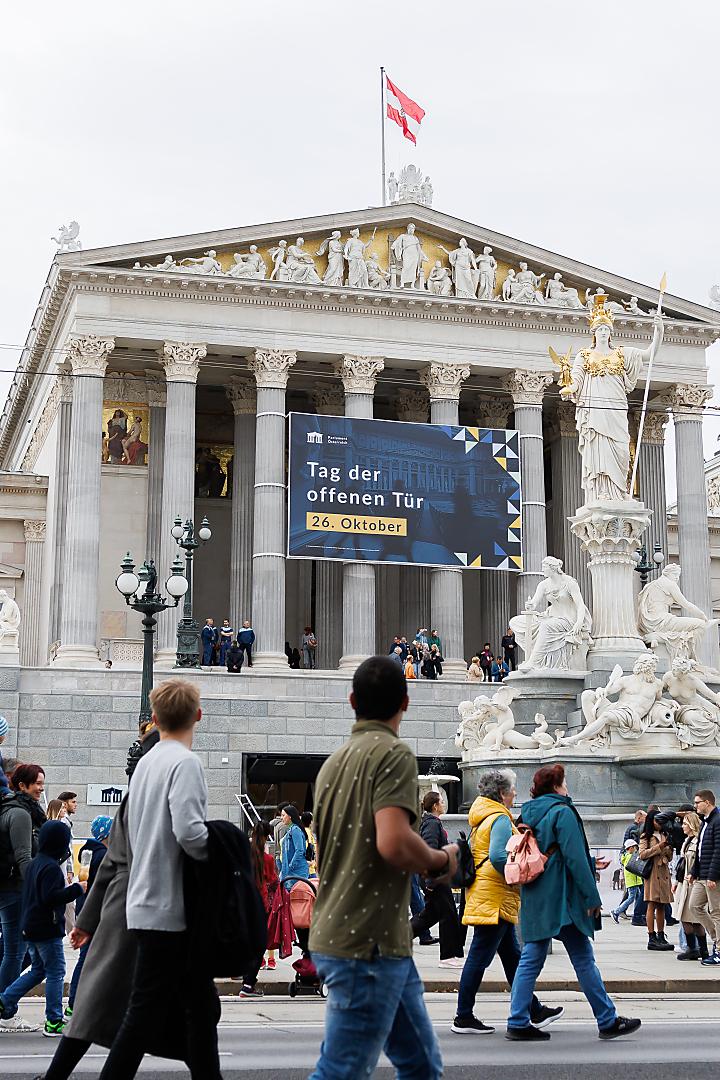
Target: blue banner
[[420, 494]]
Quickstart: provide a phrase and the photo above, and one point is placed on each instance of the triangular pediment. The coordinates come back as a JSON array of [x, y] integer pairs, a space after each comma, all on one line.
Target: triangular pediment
[[378, 228]]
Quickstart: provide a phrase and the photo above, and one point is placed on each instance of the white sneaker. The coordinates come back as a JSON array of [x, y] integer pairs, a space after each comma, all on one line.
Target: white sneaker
[[16, 1024], [452, 962]]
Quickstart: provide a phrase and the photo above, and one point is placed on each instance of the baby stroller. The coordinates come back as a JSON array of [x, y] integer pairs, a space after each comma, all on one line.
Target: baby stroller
[[302, 901]]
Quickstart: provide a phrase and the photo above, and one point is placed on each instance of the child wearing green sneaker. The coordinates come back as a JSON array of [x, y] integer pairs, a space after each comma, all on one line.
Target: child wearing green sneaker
[[44, 897]]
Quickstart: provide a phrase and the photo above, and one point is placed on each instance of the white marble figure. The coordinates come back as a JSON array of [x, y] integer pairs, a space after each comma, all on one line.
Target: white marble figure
[[251, 266], [206, 264], [508, 285], [392, 188], [377, 277], [9, 619], [592, 299], [67, 240], [600, 380], [301, 265], [631, 306], [638, 705], [680, 634], [550, 638], [439, 280], [697, 718], [168, 263], [279, 255], [426, 192], [354, 254], [487, 272], [488, 724], [464, 269], [714, 297], [408, 251], [559, 295], [410, 184], [336, 266], [526, 287]]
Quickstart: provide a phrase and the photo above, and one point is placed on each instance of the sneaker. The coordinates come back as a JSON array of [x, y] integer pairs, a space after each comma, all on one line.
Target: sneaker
[[16, 1025], [53, 1029], [250, 992], [271, 964], [546, 1016], [469, 1025], [263, 965], [712, 959], [622, 1026], [68, 1011], [526, 1034], [452, 962], [615, 917]]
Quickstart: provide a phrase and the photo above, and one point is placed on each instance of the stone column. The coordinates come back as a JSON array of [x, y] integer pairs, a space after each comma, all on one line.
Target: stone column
[[328, 401], [157, 399], [412, 406], [243, 397], [181, 360], [30, 643], [567, 496], [271, 368], [651, 477], [527, 389], [62, 473], [496, 600], [688, 403], [359, 375], [88, 358], [444, 382]]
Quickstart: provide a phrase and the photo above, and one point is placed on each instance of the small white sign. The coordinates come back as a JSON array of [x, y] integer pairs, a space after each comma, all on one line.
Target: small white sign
[[106, 794]]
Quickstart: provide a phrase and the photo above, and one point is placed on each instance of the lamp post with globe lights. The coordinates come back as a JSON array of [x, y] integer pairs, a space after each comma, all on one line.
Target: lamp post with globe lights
[[644, 567], [188, 631]]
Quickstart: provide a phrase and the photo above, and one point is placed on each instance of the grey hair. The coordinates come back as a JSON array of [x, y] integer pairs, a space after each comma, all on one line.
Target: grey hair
[[495, 783]]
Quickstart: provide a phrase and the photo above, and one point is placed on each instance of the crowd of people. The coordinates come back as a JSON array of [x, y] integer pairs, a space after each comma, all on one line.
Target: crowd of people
[[223, 647]]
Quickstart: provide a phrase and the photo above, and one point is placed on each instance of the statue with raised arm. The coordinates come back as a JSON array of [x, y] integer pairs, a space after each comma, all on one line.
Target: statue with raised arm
[[551, 638], [354, 255], [251, 266], [526, 289], [697, 718], [600, 380], [487, 272], [206, 264], [9, 617], [464, 269], [638, 698], [659, 625], [410, 256]]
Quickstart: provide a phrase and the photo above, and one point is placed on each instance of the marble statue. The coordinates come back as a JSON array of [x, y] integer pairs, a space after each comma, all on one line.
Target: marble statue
[[714, 296], [487, 272], [697, 717], [527, 286], [488, 725], [9, 617], [426, 192], [601, 298], [680, 634], [300, 264], [464, 269], [168, 263], [439, 280], [206, 264], [336, 266], [392, 187], [559, 295], [67, 240], [508, 285], [601, 378], [377, 277], [410, 256], [631, 307], [551, 637], [638, 705], [251, 266], [279, 255], [410, 184], [354, 254]]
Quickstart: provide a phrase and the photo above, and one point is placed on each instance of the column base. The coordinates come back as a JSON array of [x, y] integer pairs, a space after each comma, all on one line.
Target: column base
[[269, 662], [455, 669], [9, 657], [164, 659], [79, 656], [351, 663]]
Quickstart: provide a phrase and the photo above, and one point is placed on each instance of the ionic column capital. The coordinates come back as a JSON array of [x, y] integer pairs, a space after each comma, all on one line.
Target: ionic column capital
[[527, 387], [242, 394], [687, 400], [34, 531], [492, 412], [88, 355], [181, 360], [328, 401], [359, 373], [444, 381], [412, 406], [271, 367]]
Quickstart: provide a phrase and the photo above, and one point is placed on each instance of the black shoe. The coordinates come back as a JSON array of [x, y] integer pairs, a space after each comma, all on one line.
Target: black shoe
[[428, 941], [663, 943], [546, 1016], [690, 954], [670, 920], [469, 1025], [526, 1034], [622, 1026]]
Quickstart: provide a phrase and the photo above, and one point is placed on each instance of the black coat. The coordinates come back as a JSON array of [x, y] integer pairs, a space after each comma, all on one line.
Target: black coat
[[708, 863]]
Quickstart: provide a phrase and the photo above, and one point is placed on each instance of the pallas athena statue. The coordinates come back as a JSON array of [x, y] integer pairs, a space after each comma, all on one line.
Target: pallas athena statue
[[599, 382]]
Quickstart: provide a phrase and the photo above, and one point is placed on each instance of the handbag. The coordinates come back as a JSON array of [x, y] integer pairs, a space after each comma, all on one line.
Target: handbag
[[680, 870], [641, 867]]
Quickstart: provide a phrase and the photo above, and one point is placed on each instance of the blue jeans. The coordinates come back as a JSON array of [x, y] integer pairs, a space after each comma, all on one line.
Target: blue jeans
[[375, 1005], [486, 942], [77, 973], [12, 939], [634, 891], [582, 958], [48, 963]]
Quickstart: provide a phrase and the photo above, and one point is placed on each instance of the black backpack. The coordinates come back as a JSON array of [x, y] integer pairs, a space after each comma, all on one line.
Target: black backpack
[[8, 867]]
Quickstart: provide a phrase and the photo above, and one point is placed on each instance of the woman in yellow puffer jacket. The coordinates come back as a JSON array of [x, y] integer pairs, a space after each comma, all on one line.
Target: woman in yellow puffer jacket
[[491, 905]]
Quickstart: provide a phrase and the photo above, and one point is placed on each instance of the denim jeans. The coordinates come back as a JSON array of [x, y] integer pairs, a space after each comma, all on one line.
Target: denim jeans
[[48, 963], [77, 973], [12, 939], [375, 1005], [486, 942], [582, 958], [634, 891]]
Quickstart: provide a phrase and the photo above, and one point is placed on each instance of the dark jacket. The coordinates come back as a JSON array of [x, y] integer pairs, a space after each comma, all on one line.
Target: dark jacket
[[15, 842], [246, 636], [708, 865], [45, 893], [234, 657], [98, 852], [508, 644], [433, 833]]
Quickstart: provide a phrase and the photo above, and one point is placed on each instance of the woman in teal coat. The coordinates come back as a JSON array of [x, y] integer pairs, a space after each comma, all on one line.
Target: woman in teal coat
[[563, 902]]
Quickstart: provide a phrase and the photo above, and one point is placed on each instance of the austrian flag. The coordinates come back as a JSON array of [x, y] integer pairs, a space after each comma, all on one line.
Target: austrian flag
[[406, 113]]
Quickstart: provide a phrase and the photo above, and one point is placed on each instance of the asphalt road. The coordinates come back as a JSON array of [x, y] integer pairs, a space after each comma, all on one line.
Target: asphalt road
[[287, 1051]]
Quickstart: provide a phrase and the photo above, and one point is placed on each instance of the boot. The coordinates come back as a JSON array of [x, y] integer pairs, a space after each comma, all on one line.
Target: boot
[[692, 952], [702, 946], [663, 942], [653, 940]]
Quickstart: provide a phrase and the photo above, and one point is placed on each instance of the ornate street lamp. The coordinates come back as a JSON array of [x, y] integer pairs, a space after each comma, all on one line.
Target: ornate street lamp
[[644, 567], [140, 592], [188, 631]]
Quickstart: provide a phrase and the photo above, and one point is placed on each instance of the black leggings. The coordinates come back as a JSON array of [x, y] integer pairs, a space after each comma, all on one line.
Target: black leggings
[[440, 907], [69, 1052]]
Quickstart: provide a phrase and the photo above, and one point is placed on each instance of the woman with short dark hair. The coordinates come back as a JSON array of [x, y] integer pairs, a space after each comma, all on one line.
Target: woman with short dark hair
[[439, 901], [562, 902]]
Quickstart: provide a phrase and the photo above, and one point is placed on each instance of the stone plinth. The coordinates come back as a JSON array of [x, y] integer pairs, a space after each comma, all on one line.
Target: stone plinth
[[10, 649]]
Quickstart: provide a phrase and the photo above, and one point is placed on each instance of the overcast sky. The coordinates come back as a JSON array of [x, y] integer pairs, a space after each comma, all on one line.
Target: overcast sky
[[591, 130]]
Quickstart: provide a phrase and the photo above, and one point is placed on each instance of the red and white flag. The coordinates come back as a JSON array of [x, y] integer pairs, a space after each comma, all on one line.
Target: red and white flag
[[406, 113]]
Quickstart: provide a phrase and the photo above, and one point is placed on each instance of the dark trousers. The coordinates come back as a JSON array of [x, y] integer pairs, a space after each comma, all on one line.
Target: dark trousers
[[235, 669], [486, 942], [247, 649], [161, 963], [440, 908], [510, 660]]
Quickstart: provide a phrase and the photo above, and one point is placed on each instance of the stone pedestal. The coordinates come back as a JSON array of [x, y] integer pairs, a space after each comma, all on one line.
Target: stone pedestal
[[10, 649], [610, 533]]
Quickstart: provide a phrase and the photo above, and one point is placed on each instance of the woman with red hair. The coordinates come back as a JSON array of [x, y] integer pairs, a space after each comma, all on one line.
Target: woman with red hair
[[564, 903]]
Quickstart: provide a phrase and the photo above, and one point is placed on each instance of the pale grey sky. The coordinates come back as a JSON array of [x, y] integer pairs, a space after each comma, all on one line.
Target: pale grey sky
[[587, 129]]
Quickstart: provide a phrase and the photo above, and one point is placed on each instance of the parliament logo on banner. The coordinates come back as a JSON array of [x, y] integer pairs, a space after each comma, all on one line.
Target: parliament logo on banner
[[421, 494]]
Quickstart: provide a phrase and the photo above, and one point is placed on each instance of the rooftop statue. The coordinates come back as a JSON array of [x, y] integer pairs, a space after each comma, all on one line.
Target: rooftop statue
[[659, 625], [206, 264], [464, 269], [410, 256], [68, 238], [559, 295], [336, 266]]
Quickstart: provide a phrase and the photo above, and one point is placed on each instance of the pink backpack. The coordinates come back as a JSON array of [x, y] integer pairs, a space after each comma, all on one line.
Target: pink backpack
[[525, 859]]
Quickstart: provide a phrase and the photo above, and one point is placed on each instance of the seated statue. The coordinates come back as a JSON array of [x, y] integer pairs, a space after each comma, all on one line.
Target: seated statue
[[559, 295], [523, 286], [552, 638], [680, 634], [439, 280], [377, 277], [300, 265], [9, 618], [488, 724], [250, 266], [697, 717]]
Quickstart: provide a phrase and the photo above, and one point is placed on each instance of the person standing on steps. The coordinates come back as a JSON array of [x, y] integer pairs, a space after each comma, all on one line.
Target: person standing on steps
[[246, 640], [655, 847], [209, 635], [705, 894], [509, 648]]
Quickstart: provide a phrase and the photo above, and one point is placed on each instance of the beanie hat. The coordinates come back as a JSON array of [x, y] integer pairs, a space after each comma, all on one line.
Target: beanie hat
[[100, 827], [54, 840], [630, 843], [4, 726]]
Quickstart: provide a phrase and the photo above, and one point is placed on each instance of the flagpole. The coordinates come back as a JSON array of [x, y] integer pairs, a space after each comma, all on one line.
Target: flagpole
[[382, 130], [641, 425]]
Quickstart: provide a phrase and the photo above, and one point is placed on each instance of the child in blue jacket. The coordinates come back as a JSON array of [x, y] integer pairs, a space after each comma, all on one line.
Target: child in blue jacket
[[44, 897]]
